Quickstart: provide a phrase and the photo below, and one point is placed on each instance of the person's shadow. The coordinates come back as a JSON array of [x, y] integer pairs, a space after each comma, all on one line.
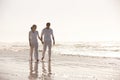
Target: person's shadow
[[33, 70], [46, 75]]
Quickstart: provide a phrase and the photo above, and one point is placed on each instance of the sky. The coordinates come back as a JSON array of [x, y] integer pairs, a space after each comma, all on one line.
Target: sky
[[71, 20]]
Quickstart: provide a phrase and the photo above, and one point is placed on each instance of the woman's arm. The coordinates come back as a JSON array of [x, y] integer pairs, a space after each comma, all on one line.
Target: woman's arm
[[42, 36], [39, 37]]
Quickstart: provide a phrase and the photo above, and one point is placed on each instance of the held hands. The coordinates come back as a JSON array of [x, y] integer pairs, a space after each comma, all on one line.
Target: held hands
[[42, 42]]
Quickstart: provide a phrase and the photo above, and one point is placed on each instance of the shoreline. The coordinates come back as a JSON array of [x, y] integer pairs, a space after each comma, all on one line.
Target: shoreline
[[15, 66]]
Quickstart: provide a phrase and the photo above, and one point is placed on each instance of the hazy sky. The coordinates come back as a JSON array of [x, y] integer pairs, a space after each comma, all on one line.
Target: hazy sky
[[71, 20]]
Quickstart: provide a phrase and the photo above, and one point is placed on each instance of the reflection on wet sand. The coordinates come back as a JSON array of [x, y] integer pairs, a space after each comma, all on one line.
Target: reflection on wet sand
[[33, 70], [46, 75]]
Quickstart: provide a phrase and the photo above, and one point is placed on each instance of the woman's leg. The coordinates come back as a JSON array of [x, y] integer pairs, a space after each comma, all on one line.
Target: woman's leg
[[36, 52], [31, 53]]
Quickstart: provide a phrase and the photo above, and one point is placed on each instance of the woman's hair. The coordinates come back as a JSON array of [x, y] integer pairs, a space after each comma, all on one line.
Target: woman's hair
[[33, 26]]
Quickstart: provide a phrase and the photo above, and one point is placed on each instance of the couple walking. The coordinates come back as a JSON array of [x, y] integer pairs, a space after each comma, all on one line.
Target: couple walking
[[46, 39]]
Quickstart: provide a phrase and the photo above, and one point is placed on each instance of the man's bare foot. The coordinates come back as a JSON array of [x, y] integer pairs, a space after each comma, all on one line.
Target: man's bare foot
[[37, 60]]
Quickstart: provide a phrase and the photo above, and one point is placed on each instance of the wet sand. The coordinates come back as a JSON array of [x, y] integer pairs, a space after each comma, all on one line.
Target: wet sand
[[15, 65]]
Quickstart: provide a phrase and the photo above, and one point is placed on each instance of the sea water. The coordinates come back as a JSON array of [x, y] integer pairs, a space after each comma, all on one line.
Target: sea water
[[101, 49]]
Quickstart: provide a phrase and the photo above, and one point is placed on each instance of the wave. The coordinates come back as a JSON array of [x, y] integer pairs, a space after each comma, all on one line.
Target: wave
[[108, 49]]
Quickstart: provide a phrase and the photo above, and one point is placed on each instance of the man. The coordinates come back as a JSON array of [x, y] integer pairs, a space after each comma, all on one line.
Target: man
[[46, 35]]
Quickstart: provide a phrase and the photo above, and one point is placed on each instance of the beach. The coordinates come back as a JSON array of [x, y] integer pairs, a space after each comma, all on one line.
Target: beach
[[82, 38], [15, 65]]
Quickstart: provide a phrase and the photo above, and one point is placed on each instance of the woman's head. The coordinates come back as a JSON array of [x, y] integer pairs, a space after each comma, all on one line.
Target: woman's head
[[33, 28]]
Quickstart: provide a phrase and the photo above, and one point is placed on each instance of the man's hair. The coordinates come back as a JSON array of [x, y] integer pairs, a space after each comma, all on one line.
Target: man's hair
[[48, 24]]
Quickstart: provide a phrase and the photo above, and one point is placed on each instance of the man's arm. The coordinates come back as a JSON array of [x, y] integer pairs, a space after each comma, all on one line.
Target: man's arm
[[53, 38]]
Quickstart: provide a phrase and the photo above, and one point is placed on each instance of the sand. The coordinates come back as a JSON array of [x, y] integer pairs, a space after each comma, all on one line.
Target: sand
[[15, 65]]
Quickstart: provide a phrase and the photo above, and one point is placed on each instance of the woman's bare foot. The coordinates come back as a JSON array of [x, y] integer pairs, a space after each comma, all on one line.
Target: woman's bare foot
[[49, 74], [31, 59]]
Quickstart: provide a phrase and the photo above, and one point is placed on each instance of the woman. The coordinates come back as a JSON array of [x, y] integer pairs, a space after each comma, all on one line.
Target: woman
[[33, 42]]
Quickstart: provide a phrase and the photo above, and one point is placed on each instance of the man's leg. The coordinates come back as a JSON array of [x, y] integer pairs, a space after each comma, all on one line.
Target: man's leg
[[44, 50], [49, 67], [36, 52], [49, 51]]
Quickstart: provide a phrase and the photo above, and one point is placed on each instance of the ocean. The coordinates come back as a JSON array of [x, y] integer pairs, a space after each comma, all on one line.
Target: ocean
[[100, 49]]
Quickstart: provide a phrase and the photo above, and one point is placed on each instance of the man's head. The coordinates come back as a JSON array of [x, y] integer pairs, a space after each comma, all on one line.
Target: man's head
[[48, 25]]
